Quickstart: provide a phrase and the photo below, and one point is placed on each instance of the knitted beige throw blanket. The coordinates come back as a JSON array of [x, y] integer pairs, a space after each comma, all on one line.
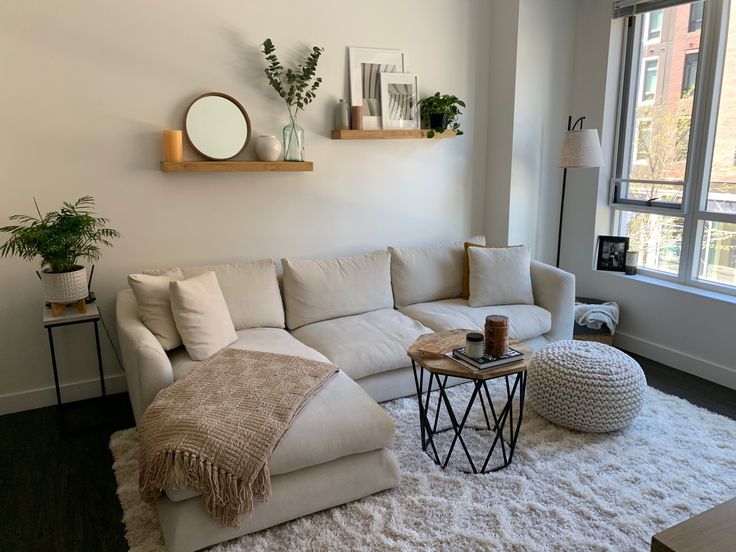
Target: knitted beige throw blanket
[[215, 429]]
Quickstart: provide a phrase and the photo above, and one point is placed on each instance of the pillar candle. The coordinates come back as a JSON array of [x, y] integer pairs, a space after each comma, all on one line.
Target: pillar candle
[[172, 146], [356, 117]]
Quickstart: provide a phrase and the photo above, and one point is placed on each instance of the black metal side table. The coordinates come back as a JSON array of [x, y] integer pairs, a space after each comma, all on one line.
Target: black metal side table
[[503, 424], [69, 318]]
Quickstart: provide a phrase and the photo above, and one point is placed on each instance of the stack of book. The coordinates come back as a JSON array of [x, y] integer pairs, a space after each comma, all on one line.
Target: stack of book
[[485, 362]]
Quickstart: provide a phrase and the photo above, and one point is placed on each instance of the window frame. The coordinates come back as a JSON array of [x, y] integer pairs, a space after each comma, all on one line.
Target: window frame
[[685, 72], [628, 96], [694, 25], [642, 80], [703, 130], [648, 27]]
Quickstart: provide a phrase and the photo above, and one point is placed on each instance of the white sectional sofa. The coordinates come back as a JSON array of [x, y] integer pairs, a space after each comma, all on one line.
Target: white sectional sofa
[[360, 313]]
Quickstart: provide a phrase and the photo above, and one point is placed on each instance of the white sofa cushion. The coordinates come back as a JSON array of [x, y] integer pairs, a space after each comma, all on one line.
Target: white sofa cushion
[[154, 305], [201, 315], [321, 289], [525, 321], [429, 273], [366, 343], [271, 340], [251, 291], [500, 276]]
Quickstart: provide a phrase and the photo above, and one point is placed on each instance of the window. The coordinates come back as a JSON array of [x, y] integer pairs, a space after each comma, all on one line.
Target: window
[[695, 20], [689, 73], [674, 186], [649, 80], [654, 28]]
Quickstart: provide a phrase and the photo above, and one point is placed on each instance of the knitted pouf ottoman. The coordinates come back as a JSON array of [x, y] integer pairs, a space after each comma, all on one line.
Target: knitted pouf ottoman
[[585, 386]]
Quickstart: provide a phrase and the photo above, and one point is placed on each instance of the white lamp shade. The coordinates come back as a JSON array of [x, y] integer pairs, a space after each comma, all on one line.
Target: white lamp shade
[[581, 148]]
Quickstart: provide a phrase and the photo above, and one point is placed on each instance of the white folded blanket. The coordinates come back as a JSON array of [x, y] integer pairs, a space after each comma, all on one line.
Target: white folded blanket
[[594, 316]]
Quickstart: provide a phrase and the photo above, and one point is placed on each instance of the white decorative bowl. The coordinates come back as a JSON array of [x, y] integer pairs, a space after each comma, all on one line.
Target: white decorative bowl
[[64, 287]]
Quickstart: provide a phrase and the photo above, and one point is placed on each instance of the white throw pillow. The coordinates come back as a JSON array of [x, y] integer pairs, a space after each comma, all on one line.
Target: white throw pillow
[[500, 276], [428, 273], [201, 315], [321, 289], [154, 306]]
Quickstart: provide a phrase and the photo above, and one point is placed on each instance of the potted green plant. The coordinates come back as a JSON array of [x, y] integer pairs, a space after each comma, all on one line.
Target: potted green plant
[[60, 238], [440, 112], [297, 86]]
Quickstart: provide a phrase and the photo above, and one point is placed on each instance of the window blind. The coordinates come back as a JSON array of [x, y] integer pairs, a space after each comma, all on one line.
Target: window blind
[[622, 8]]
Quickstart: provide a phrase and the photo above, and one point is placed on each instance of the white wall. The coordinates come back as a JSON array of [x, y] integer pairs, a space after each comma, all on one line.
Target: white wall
[[545, 54], [684, 329], [532, 54], [503, 32], [88, 87]]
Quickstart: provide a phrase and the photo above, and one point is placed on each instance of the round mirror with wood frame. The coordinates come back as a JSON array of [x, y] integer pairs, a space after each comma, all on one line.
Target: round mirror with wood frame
[[217, 126]]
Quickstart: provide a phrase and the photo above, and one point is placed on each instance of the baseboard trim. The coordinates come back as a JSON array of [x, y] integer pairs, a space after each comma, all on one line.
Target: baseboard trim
[[702, 368], [70, 392]]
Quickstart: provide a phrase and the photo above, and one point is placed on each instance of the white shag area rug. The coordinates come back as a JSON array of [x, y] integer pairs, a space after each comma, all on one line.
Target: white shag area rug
[[563, 491]]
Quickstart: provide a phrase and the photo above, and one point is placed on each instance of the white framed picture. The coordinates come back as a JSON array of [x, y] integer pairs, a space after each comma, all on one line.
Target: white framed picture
[[400, 100], [366, 65]]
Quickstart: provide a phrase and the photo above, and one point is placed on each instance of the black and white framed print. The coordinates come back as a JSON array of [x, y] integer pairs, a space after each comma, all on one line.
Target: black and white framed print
[[366, 66], [612, 253], [400, 101]]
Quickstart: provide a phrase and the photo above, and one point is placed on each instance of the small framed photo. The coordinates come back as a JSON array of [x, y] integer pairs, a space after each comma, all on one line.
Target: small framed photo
[[612, 253], [366, 65], [400, 100]]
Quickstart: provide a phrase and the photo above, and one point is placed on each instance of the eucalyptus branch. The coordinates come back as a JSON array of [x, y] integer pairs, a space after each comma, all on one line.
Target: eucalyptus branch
[[298, 85]]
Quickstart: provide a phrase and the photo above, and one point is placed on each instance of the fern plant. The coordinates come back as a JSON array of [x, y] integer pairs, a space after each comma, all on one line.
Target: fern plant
[[60, 237]]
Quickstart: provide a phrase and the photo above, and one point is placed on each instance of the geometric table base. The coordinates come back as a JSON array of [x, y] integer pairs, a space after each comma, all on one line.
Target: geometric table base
[[501, 423]]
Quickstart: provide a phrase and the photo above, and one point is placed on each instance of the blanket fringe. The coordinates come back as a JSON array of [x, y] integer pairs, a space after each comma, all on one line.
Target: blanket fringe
[[225, 496]]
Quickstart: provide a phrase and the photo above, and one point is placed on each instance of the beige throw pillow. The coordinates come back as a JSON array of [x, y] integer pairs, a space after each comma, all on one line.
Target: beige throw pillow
[[500, 276], [154, 306], [201, 315]]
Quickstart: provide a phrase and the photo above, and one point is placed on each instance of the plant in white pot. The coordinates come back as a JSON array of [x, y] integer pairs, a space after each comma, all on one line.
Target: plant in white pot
[[60, 238]]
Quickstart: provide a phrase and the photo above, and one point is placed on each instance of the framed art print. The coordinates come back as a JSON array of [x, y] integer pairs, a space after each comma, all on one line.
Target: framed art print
[[400, 101], [366, 65], [612, 253]]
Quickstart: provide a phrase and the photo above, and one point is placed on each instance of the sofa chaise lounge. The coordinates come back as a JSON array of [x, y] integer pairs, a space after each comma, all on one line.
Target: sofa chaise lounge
[[360, 313]]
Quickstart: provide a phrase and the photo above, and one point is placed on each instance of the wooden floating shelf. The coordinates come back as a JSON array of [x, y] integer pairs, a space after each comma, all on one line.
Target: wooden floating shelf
[[236, 166], [401, 134]]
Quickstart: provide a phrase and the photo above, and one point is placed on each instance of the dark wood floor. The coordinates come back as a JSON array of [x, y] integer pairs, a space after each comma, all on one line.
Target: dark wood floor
[[57, 489]]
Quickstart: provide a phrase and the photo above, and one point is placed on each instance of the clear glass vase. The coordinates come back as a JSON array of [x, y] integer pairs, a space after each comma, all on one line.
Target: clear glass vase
[[293, 142]]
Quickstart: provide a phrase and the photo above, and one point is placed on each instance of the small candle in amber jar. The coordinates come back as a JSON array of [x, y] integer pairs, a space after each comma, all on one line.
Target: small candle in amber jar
[[172, 146]]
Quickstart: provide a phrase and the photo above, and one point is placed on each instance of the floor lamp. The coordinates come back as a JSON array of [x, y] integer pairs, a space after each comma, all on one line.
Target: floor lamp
[[581, 149]]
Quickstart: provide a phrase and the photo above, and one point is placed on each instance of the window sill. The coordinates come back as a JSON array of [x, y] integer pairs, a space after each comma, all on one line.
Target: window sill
[[640, 278]]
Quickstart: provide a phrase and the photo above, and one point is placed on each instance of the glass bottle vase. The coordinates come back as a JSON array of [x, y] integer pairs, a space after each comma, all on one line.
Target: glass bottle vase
[[293, 142]]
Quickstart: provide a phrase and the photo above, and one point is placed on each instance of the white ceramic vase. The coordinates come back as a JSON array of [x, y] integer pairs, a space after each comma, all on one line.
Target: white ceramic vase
[[268, 148], [64, 287]]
